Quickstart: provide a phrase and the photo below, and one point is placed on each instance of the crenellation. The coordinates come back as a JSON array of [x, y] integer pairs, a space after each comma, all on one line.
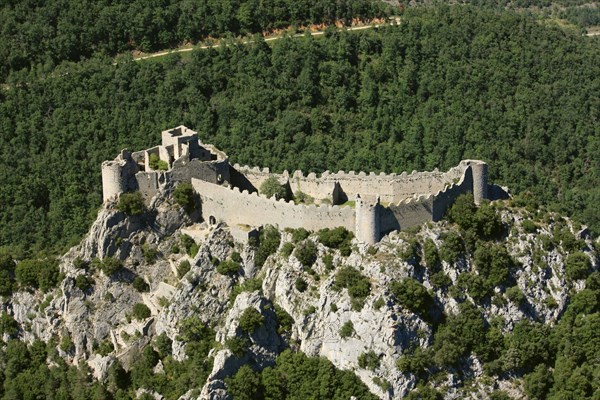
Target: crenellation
[[230, 193]]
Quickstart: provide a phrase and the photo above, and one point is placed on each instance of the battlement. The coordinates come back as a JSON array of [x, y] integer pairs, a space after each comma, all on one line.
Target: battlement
[[230, 193]]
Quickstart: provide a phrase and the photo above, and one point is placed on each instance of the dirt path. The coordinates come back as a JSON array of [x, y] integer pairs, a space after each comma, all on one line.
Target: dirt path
[[267, 39]]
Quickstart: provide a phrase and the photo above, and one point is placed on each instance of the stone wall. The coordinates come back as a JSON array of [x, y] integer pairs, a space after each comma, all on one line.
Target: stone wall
[[235, 207], [390, 188]]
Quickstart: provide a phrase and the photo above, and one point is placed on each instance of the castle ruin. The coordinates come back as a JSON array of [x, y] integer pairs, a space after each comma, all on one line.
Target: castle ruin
[[370, 205]]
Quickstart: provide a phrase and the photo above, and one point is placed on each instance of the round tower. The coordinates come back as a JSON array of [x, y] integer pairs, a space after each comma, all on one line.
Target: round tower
[[367, 227], [116, 175], [480, 186]]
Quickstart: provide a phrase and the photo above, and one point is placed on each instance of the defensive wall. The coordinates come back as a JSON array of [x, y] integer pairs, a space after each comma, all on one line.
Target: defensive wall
[[342, 186], [382, 202], [369, 219]]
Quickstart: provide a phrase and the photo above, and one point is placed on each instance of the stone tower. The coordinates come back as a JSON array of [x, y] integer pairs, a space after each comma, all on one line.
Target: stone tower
[[116, 175], [367, 220], [479, 170]]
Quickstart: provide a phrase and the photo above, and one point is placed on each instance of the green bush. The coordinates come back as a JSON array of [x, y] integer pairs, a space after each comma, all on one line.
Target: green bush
[[299, 235], [368, 360], [249, 285], [577, 266], [108, 265], [6, 283], [431, 255], [287, 249], [493, 263], [131, 203], [42, 274], [440, 280], [163, 345], [83, 282], [150, 253], [357, 284], [183, 268], [300, 284], [269, 240], [141, 311], [475, 285], [8, 325], [235, 256], [284, 320], [271, 187], [452, 247], [250, 320], [328, 261], [538, 383], [228, 268], [336, 238], [306, 253], [529, 226], [237, 346], [347, 330], [184, 196], [515, 295], [140, 284], [412, 295], [105, 348]]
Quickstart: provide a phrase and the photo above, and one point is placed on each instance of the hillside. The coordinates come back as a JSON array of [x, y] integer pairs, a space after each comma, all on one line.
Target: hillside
[[449, 83], [498, 302]]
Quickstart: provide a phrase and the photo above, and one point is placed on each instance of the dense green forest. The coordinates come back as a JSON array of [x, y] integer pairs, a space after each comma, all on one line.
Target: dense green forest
[[43, 33], [449, 83]]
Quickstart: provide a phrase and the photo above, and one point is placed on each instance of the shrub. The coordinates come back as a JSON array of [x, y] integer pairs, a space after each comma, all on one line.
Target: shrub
[[140, 284], [131, 203], [249, 285], [79, 263], [528, 345], [328, 261], [475, 285], [358, 285], [235, 256], [269, 240], [6, 283], [42, 274], [380, 302], [515, 295], [237, 346], [150, 253], [163, 345], [300, 284], [250, 320], [286, 249], [184, 196], [452, 247], [284, 320], [335, 238], [299, 235], [431, 255], [306, 253], [347, 330], [368, 360], [493, 263], [228, 268], [440, 280], [105, 348], [8, 325], [245, 384], [528, 226], [538, 383], [271, 187], [183, 268], [141, 311], [577, 266], [83, 282], [108, 265], [412, 295]]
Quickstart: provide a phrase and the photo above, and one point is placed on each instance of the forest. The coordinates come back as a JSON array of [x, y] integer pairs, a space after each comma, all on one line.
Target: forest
[[45, 33], [449, 83]]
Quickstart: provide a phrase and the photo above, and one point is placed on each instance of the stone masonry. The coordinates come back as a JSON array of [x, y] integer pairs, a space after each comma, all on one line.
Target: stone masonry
[[369, 205]]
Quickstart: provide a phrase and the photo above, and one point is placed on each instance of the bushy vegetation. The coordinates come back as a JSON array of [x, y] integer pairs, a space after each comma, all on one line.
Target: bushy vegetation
[[250, 320], [357, 284], [131, 203], [412, 295], [228, 267], [306, 253], [183, 268], [347, 330], [271, 187], [41, 273], [108, 265], [140, 311], [269, 240], [298, 376], [337, 238]]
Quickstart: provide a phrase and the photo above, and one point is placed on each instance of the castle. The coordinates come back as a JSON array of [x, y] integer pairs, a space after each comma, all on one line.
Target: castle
[[370, 205]]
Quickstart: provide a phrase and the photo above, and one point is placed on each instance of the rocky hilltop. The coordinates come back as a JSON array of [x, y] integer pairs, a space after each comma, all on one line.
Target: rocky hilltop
[[437, 308]]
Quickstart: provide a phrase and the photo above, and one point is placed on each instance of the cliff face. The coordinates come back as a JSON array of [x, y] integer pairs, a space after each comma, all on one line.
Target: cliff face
[[344, 308]]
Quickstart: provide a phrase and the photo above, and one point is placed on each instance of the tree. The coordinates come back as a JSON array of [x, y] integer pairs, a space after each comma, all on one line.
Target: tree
[[184, 196], [140, 311], [250, 320], [271, 187], [131, 203]]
